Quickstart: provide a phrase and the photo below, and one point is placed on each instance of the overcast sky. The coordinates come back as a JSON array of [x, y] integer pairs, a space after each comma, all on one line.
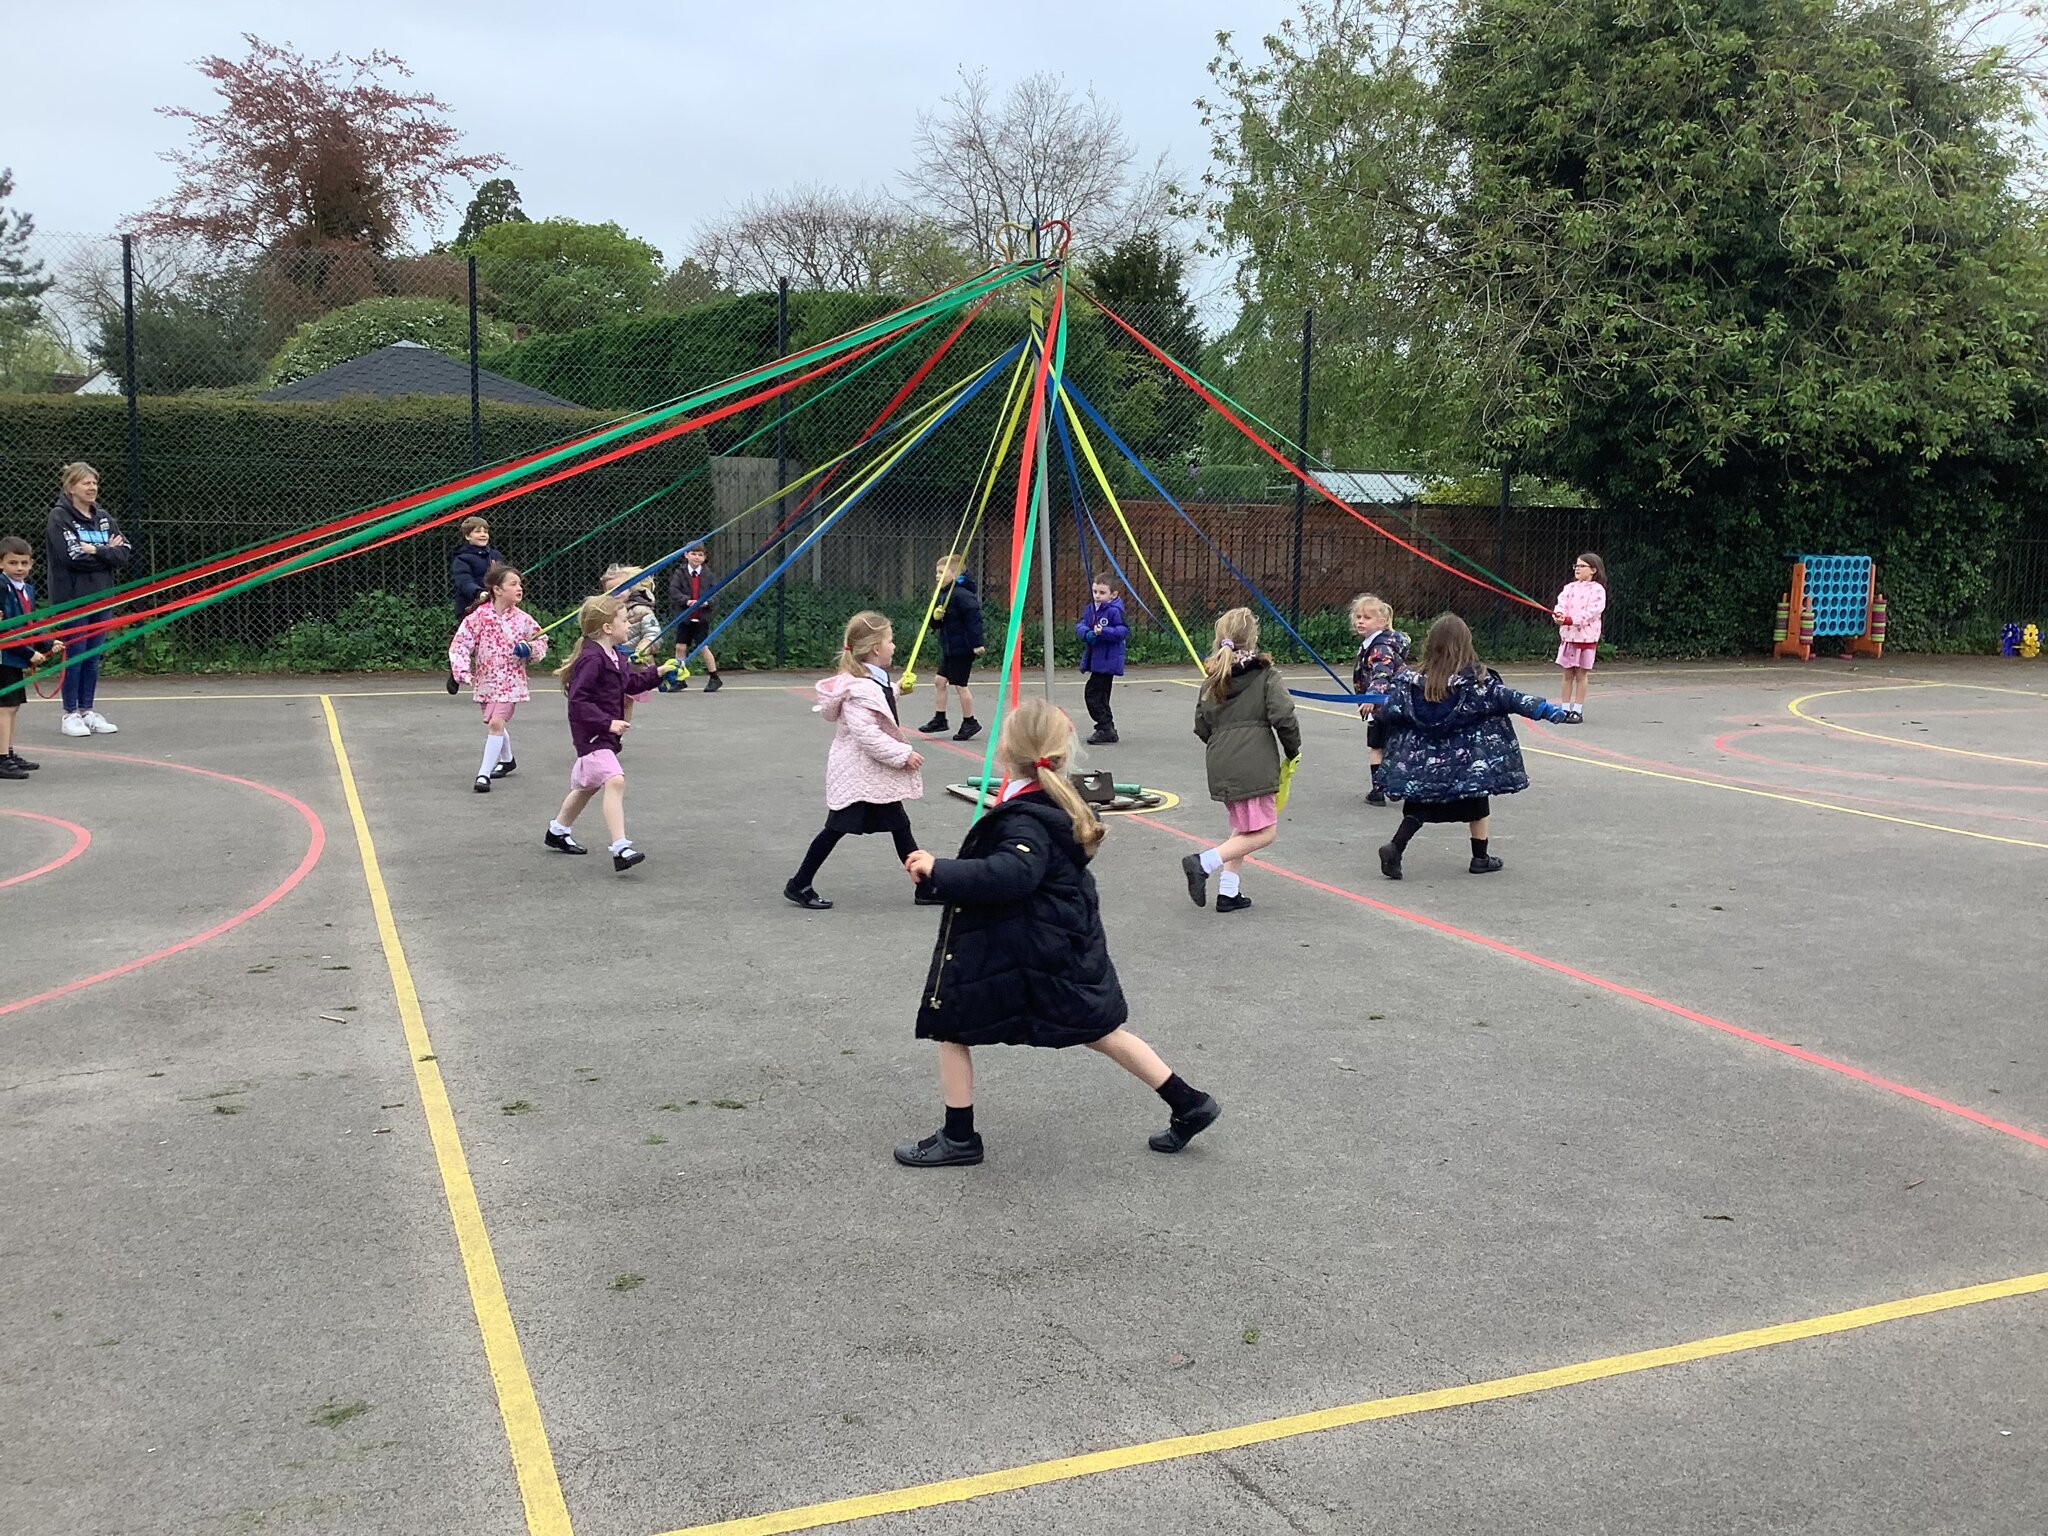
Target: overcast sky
[[657, 116]]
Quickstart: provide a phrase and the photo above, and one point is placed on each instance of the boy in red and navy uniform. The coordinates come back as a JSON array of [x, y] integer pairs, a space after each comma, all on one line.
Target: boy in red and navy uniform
[[17, 601], [689, 591]]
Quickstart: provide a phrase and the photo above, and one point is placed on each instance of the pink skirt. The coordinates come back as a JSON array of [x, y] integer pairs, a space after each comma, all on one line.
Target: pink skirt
[[1572, 654], [1253, 815], [497, 709], [595, 769]]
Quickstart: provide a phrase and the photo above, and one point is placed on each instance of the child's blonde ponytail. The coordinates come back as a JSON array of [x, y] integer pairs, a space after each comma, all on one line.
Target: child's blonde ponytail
[[1038, 744], [1237, 638]]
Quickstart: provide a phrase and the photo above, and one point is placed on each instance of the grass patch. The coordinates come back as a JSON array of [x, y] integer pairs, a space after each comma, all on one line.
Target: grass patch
[[653, 1140], [728, 1103], [626, 1282], [515, 1107], [229, 1109], [1251, 1335]]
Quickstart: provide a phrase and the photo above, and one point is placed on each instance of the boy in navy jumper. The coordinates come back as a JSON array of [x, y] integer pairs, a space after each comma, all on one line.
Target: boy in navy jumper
[[17, 601], [473, 560], [956, 615]]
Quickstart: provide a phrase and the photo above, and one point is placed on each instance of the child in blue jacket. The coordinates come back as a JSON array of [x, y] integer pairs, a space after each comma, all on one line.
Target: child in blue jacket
[[1103, 633]]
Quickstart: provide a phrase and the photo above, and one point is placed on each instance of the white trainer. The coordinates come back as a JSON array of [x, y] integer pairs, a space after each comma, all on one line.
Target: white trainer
[[99, 724], [74, 725]]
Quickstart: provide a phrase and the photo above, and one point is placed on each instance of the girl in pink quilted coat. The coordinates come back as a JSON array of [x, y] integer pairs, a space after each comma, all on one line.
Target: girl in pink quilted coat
[[871, 769], [1577, 617], [490, 651]]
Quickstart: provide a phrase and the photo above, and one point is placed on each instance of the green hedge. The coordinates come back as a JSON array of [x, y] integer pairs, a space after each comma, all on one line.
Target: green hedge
[[218, 473]]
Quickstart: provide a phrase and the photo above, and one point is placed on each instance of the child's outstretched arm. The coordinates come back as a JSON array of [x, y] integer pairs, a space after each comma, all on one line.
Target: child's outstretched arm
[[1528, 704], [1280, 714], [1009, 872]]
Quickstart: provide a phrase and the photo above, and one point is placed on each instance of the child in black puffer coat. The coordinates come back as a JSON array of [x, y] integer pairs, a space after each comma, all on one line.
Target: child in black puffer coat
[[1450, 746], [1021, 957]]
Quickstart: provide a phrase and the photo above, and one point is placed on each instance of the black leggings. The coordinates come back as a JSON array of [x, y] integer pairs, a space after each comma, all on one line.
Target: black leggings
[[823, 844]]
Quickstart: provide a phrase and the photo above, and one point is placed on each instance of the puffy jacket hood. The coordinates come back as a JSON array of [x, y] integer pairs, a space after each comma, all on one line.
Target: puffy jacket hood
[[840, 688]]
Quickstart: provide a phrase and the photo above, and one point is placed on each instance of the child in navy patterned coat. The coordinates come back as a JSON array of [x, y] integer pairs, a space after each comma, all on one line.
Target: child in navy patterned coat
[[1382, 653], [1450, 745]]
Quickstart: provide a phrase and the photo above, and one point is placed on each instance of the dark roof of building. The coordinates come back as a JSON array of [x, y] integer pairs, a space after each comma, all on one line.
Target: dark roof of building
[[407, 368]]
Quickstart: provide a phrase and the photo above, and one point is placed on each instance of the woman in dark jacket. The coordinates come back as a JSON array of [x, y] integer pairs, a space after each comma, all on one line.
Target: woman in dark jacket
[[1021, 957], [86, 551], [1450, 745]]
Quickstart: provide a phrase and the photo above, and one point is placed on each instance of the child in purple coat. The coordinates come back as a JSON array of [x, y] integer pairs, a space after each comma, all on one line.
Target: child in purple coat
[[1103, 633], [598, 680]]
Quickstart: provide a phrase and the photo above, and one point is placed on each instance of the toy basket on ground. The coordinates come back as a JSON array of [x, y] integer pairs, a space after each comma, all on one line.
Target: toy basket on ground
[[1831, 597]]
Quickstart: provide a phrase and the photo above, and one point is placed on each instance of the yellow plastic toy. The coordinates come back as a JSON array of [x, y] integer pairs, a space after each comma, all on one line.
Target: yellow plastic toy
[[2030, 640], [1287, 767]]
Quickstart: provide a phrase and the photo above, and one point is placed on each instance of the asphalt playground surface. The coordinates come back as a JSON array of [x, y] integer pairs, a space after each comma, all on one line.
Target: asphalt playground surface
[[604, 1231]]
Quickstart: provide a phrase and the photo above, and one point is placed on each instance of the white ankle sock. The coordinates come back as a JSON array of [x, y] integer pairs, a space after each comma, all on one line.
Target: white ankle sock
[[1211, 861], [491, 749], [558, 829], [1227, 885], [621, 845]]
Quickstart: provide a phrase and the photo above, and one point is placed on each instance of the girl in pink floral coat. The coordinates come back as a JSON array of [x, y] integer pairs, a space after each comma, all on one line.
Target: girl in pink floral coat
[[871, 769], [1577, 617], [490, 651]]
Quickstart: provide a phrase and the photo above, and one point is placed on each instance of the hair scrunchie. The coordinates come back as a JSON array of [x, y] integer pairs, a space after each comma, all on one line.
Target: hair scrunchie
[[1228, 645], [1045, 762]]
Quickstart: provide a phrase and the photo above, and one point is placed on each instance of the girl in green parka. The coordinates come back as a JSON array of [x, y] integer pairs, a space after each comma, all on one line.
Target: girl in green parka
[[1247, 718]]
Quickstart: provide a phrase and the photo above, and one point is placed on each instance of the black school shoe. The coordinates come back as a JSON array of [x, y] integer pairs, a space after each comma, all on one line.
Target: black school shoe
[[453, 686], [713, 683], [1390, 861], [627, 857], [969, 729], [1182, 1129], [483, 785], [1377, 796], [1232, 903], [10, 769], [563, 842], [1105, 736], [1485, 866], [939, 1150], [938, 722], [505, 766], [20, 762], [1198, 879], [806, 898]]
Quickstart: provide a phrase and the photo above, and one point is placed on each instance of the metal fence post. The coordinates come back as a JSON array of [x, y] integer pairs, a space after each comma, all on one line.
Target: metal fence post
[[135, 498], [476, 410], [1308, 336], [781, 469]]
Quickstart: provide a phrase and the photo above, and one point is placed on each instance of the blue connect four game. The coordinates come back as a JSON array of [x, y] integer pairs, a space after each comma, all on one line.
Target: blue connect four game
[[1838, 586]]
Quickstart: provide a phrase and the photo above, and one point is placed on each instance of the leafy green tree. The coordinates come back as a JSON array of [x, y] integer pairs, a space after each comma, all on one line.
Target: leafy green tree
[[22, 286], [363, 328], [496, 202], [1142, 278], [1331, 180], [201, 330], [561, 275], [1763, 261]]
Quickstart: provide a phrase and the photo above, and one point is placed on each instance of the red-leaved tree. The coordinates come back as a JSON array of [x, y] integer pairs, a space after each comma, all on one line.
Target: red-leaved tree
[[310, 153]]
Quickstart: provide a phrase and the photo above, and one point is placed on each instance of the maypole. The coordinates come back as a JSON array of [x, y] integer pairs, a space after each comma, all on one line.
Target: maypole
[[1053, 272]]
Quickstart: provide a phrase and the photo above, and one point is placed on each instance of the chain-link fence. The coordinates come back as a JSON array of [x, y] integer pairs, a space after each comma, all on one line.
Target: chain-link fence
[[226, 402]]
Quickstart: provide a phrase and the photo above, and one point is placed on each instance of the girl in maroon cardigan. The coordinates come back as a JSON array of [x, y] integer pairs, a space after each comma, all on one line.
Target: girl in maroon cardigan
[[598, 680]]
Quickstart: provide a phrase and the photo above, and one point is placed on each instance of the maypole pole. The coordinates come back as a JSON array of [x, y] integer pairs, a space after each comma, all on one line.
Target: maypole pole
[[1038, 329]]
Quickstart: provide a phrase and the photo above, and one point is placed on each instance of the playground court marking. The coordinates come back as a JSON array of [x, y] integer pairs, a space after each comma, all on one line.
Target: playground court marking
[[1906, 741], [534, 1463], [1181, 1447], [316, 842], [80, 839]]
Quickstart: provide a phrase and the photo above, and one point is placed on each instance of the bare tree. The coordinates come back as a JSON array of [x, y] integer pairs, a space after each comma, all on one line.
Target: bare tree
[[1040, 153], [826, 238]]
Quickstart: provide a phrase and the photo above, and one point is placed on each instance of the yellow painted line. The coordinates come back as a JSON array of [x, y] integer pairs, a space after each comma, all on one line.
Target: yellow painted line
[[1742, 789], [539, 1489], [960, 1489], [1907, 741]]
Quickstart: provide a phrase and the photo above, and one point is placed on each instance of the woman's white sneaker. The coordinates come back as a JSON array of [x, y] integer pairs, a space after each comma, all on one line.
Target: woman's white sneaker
[[99, 724], [74, 725]]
